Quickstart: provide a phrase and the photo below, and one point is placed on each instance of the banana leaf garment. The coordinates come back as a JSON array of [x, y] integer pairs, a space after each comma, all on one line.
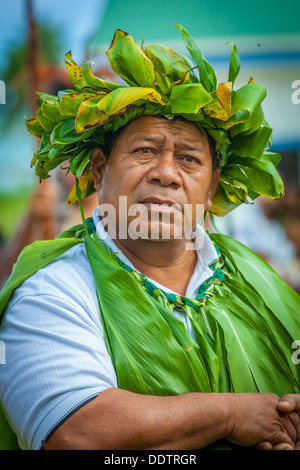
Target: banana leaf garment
[[245, 319]]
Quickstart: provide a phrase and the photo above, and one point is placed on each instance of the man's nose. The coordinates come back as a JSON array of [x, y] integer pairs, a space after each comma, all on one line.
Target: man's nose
[[165, 170]]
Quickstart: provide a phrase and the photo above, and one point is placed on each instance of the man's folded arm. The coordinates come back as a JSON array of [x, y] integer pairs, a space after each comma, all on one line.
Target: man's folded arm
[[119, 419]]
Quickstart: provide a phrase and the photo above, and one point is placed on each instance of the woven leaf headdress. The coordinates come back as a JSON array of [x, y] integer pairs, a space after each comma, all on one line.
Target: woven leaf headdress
[[160, 81]]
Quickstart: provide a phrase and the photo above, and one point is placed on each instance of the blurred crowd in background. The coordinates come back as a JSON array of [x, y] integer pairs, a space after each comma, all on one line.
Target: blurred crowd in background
[[270, 228]]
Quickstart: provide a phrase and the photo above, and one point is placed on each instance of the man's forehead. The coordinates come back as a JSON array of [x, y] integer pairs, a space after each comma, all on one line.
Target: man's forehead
[[152, 128]]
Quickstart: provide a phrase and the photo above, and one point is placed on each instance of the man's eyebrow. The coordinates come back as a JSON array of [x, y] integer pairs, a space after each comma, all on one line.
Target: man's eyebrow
[[183, 145], [194, 148], [147, 139]]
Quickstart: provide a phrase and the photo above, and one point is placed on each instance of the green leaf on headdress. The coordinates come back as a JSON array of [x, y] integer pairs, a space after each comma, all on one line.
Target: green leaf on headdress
[[34, 127], [253, 145], [45, 143], [221, 203], [145, 109], [89, 115], [79, 162], [188, 98], [168, 66], [206, 72], [122, 97], [45, 122], [130, 62], [52, 111], [96, 82], [49, 165], [58, 154], [64, 133], [251, 125], [244, 177], [40, 171], [258, 175], [266, 124], [69, 103], [220, 136], [41, 97], [74, 72], [236, 192], [235, 64]]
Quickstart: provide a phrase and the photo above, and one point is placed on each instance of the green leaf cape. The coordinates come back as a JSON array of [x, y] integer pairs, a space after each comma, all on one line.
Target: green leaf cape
[[245, 319]]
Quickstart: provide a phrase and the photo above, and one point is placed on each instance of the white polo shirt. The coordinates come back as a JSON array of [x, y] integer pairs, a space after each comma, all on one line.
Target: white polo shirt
[[56, 359]]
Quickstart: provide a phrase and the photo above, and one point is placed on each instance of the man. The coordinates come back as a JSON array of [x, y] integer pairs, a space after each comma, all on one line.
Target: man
[[133, 339]]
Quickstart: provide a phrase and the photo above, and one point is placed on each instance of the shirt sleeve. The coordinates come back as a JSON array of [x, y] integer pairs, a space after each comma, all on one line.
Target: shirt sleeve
[[56, 355]]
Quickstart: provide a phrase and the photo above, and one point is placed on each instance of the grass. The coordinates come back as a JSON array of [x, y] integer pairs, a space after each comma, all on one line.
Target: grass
[[12, 208]]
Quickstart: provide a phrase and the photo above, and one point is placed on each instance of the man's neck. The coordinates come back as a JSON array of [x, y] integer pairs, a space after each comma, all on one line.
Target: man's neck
[[167, 263]]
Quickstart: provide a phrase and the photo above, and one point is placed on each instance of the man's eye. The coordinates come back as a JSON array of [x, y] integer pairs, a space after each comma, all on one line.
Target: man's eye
[[190, 159], [143, 150]]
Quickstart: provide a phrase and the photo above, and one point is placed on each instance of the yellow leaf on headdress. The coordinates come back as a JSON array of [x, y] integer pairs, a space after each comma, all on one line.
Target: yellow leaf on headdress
[[223, 93], [220, 107], [245, 102], [216, 110], [95, 112], [74, 71], [118, 99], [86, 185], [88, 115]]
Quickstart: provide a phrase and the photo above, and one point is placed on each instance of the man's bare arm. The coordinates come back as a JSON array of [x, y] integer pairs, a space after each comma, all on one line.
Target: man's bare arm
[[118, 419]]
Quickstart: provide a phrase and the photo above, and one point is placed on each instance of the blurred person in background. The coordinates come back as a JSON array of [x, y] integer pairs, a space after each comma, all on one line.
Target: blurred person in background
[[271, 229], [48, 214], [286, 212]]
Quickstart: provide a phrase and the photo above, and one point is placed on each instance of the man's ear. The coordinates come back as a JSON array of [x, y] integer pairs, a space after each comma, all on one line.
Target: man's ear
[[213, 186], [98, 165]]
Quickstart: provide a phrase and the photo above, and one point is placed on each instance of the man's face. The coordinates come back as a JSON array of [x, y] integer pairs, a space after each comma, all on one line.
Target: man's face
[[162, 167]]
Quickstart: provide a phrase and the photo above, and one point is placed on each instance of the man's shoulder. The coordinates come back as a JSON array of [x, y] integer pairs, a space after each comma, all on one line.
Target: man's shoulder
[[69, 275], [73, 263]]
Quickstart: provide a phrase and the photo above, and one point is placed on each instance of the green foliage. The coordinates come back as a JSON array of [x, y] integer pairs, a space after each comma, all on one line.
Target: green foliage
[[160, 81]]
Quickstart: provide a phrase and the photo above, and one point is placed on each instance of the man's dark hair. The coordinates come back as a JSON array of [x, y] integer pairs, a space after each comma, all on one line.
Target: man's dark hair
[[111, 138], [214, 153]]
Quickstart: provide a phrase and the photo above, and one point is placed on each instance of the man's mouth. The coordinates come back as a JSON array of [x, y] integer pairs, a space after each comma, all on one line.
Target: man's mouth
[[160, 205]]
